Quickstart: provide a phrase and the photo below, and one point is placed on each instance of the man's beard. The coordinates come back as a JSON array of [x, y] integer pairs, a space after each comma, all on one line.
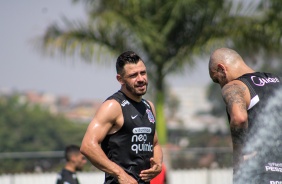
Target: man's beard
[[134, 91], [224, 80]]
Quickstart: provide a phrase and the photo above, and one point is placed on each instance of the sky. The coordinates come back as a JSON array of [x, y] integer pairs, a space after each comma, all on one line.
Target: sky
[[23, 68]]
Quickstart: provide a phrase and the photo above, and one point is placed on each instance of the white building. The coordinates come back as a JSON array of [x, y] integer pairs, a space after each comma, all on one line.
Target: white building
[[194, 108]]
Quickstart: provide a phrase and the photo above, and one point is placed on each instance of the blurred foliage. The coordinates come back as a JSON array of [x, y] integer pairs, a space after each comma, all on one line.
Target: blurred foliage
[[29, 128], [214, 96]]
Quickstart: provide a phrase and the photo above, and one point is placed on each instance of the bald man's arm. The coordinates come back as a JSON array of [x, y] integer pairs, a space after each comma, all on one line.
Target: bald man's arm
[[236, 95]]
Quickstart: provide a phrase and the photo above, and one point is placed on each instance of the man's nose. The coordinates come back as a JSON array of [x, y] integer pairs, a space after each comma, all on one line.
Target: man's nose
[[140, 77]]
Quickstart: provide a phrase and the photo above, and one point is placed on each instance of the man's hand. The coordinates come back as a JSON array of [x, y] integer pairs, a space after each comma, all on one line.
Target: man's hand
[[149, 174], [126, 179]]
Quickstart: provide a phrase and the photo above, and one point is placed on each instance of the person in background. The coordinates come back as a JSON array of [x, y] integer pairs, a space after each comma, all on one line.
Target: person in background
[[247, 94], [121, 140], [74, 162]]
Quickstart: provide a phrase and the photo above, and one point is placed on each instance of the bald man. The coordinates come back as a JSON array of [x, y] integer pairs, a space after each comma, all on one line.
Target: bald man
[[246, 94]]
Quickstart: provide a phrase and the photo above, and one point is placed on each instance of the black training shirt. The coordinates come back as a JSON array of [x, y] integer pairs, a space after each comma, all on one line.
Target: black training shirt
[[131, 147], [67, 177]]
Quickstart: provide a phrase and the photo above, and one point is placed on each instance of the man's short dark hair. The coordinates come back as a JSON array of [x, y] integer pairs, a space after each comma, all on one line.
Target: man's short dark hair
[[125, 58], [70, 150]]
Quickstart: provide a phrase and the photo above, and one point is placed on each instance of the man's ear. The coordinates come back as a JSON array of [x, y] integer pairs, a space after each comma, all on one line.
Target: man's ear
[[221, 68], [119, 79], [72, 157]]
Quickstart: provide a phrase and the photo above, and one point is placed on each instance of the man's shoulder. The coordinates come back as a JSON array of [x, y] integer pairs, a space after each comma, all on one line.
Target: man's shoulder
[[148, 103], [235, 90], [110, 103], [65, 172], [233, 85], [116, 96], [66, 177]]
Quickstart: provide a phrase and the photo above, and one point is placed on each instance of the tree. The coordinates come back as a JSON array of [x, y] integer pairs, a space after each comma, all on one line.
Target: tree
[[167, 34], [29, 128]]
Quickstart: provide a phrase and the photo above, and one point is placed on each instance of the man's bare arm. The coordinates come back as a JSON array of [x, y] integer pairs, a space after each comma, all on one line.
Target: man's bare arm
[[236, 96], [104, 122]]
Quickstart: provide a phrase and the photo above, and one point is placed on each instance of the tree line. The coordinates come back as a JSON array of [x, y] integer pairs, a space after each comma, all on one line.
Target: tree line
[[30, 128]]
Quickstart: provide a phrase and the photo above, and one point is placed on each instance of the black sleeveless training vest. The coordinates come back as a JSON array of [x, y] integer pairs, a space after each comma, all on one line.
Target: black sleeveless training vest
[[264, 126], [262, 87], [131, 147]]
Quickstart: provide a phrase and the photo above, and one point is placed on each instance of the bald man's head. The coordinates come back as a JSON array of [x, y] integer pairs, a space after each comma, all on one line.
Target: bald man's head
[[226, 57], [226, 65]]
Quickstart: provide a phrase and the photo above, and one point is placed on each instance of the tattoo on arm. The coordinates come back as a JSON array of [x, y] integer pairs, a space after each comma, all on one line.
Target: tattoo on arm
[[234, 94]]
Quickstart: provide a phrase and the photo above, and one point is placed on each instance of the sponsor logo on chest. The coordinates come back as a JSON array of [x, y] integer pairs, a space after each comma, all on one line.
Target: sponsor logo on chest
[[260, 81], [139, 140]]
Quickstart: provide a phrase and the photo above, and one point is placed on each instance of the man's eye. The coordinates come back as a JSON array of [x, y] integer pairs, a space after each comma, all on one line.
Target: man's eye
[[132, 76]]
